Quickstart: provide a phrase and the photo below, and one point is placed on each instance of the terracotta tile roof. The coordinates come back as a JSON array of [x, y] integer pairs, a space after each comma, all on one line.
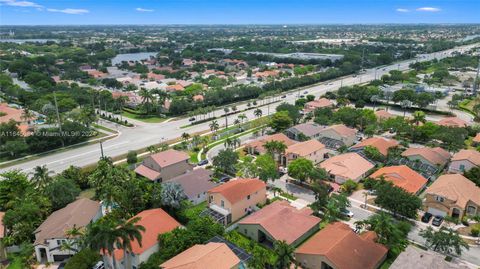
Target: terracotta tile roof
[[198, 97], [211, 255], [169, 157], [344, 248], [452, 122], [236, 190], [175, 87], [382, 144], [147, 172], [342, 130], [476, 139], [383, 114], [305, 148], [320, 103], [78, 213], [467, 154], [402, 176], [414, 257], [457, 188], [11, 113], [283, 221], [258, 144], [436, 156], [348, 165], [195, 182], [156, 222]]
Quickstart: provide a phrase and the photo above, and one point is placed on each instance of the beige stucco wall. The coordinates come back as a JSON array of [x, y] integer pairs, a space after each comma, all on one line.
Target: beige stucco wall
[[170, 171], [238, 209]]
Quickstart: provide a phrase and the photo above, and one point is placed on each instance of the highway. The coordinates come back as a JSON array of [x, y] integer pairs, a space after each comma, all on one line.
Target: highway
[[145, 134]]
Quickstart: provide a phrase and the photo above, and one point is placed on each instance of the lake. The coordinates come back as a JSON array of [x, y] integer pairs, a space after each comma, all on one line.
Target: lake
[[132, 57], [21, 41]]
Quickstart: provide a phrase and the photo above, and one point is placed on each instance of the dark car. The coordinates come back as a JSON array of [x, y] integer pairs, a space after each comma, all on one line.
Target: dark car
[[301, 96], [305, 92], [427, 217], [225, 179], [437, 221], [284, 96], [202, 162], [192, 119]]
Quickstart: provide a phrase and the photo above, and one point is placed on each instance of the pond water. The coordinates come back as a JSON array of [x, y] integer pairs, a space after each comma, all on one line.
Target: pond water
[[21, 41], [132, 57]]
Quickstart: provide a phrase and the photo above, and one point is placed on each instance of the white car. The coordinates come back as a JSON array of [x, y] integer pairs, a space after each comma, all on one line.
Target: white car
[[347, 213]]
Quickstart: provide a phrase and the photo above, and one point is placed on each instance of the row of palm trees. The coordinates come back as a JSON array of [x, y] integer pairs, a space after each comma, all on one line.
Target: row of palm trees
[[153, 98]]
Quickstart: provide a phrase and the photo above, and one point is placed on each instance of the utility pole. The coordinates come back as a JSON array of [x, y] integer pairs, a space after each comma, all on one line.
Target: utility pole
[[475, 81], [58, 119], [101, 148]]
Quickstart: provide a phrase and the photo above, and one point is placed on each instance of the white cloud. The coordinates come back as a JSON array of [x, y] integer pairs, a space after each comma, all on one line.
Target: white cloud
[[402, 10], [139, 9], [15, 3], [428, 9], [69, 11]]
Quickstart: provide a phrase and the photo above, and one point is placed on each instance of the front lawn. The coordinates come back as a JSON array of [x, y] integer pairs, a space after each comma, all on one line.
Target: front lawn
[[147, 119]]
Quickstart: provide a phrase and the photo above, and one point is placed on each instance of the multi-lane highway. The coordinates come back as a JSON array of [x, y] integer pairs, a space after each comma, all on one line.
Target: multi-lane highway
[[145, 134]]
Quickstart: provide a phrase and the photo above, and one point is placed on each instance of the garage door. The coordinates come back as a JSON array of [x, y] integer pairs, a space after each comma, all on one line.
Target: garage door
[[59, 258], [436, 212]]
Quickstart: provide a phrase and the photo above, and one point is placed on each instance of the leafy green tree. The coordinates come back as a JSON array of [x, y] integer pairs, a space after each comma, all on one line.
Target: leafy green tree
[[132, 157], [61, 192], [373, 154], [13, 185], [266, 167], [445, 240], [474, 175], [41, 177], [225, 161], [280, 121], [172, 195], [300, 169], [336, 204], [284, 255], [84, 259], [397, 200], [349, 186], [293, 111]]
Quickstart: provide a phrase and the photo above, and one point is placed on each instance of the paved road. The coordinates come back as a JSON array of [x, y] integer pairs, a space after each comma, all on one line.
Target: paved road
[[145, 134]]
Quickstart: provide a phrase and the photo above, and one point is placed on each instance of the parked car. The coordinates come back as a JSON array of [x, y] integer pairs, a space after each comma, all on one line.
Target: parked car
[[427, 217], [437, 221], [305, 92], [62, 265], [202, 162], [347, 213], [225, 179], [372, 192], [99, 265]]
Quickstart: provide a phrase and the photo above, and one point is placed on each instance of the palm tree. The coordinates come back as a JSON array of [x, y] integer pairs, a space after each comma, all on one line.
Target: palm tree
[[226, 110], [27, 115], [418, 117], [258, 112], [147, 98], [214, 126], [129, 232], [185, 136], [41, 177], [284, 254], [242, 117], [228, 142], [234, 108], [275, 147], [405, 104], [374, 99], [236, 122], [102, 236]]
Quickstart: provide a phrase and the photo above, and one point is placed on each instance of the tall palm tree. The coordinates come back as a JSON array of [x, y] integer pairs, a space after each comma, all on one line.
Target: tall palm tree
[[258, 112], [226, 110], [214, 126], [185, 136], [242, 117], [102, 236], [405, 104], [127, 233], [275, 147], [147, 98], [284, 255], [418, 117], [41, 177]]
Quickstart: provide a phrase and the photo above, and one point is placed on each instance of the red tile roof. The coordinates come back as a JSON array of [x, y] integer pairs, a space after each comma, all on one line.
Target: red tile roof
[[258, 144], [348, 165], [452, 122], [156, 222], [305, 148], [283, 221], [147, 172], [467, 154], [402, 176], [383, 114], [435, 156], [457, 188], [169, 157], [382, 144], [236, 190], [344, 248], [11, 113]]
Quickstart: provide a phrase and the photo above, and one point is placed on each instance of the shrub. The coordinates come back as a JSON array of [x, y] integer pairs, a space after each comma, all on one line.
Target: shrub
[[475, 230], [132, 157], [85, 259]]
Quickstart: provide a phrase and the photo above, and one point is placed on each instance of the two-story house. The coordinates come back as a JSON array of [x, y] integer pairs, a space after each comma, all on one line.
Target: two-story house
[[307, 130], [156, 222], [452, 195], [50, 235], [464, 160], [347, 166], [165, 165], [237, 198], [311, 150], [338, 135]]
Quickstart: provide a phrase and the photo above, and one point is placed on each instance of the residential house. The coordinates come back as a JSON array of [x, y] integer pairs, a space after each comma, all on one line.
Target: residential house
[[380, 143], [155, 77], [436, 157], [256, 146], [347, 166], [311, 150], [464, 160], [338, 135], [8, 113], [476, 140], [304, 130], [96, 74], [403, 177], [452, 122], [195, 184], [337, 246], [50, 235], [210, 255], [156, 222], [237, 198], [316, 104], [280, 221], [165, 165], [453, 195], [415, 257]]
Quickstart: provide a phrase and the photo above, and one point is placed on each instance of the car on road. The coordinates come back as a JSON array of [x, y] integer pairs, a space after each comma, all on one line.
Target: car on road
[[202, 162], [284, 96], [301, 96], [305, 92], [427, 217], [331, 83], [225, 179], [192, 119], [347, 213], [437, 221], [99, 265]]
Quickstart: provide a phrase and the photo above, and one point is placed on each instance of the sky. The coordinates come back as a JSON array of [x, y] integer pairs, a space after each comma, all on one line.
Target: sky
[[80, 12]]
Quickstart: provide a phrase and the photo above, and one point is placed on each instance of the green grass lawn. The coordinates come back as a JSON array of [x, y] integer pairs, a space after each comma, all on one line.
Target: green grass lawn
[[193, 157], [195, 210], [88, 193], [147, 119], [16, 263]]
